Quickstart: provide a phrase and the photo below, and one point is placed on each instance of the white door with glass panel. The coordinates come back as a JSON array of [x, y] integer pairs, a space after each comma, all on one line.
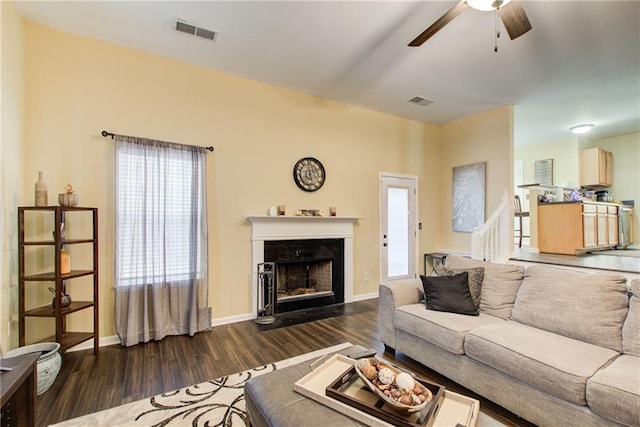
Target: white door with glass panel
[[398, 236]]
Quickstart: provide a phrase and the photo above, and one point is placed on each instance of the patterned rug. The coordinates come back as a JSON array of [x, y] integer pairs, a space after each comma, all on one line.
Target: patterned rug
[[219, 402]]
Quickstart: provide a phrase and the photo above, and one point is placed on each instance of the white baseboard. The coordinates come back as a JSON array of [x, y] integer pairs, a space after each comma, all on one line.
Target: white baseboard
[[103, 342], [113, 340], [364, 297], [231, 319]]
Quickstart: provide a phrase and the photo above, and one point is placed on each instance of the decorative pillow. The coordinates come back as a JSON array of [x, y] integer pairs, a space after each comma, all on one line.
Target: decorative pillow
[[449, 293], [476, 275], [499, 286]]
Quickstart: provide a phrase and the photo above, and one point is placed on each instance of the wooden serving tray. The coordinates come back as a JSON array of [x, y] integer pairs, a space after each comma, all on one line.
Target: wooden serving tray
[[351, 390], [452, 409]]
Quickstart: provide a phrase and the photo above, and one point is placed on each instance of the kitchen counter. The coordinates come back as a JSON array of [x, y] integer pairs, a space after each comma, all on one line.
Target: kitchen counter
[[580, 201], [576, 227]]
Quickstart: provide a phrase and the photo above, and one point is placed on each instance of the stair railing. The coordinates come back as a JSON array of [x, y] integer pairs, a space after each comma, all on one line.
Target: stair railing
[[493, 241]]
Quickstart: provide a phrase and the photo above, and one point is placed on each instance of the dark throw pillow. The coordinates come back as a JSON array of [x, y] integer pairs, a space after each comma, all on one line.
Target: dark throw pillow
[[476, 276], [449, 293]]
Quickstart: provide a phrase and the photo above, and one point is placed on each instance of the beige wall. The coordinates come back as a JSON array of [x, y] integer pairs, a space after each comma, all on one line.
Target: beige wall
[[12, 137], [564, 153], [76, 87], [482, 138]]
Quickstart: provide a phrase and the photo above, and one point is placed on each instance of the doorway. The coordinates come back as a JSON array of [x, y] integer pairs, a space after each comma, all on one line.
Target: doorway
[[398, 227]]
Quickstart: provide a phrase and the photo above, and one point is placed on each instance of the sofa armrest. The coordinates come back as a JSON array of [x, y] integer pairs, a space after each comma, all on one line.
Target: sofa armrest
[[391, 296]]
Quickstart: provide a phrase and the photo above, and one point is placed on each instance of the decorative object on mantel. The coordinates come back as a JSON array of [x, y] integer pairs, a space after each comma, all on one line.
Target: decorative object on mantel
[[272, 211], [308, 212], [41, 191], [68, 198], [48, 364], [332, 211], [282, 210], [309, 174]]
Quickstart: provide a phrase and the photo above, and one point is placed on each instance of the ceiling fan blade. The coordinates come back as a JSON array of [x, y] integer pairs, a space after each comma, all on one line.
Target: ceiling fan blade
[[515, 19], [441, 22]]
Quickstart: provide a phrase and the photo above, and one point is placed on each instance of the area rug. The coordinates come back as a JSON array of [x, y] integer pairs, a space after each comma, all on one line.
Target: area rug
[[216, 403], [219, 402]]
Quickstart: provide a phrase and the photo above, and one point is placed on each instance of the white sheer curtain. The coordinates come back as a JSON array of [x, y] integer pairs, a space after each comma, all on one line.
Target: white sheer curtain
[[161, 277]]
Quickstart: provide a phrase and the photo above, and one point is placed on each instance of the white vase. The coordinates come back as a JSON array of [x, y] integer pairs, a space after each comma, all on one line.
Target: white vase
[[48, 364], [41, 191]]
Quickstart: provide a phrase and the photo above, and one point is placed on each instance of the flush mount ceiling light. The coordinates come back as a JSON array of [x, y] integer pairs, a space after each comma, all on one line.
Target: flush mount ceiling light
[[487, 5], [580, 129]]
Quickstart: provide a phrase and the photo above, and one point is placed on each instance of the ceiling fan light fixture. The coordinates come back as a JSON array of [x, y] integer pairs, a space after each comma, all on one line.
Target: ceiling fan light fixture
[[487, 5], [581, 129]]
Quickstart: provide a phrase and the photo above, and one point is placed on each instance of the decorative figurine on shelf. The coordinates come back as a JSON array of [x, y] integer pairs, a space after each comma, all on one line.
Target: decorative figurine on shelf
[[65, 300], [41, 191], [68, 198]]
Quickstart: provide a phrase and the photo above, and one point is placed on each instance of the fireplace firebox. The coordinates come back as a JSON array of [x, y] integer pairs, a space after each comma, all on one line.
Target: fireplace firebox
[[309, 273]]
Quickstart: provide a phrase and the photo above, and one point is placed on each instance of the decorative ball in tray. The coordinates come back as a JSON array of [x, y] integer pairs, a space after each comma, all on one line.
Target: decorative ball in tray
[[398, 389]]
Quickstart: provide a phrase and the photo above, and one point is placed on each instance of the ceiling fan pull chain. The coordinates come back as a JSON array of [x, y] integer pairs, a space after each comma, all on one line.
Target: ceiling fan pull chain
[[497, 32]]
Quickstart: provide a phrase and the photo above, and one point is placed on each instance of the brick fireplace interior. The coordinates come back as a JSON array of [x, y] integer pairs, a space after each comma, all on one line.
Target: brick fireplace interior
[[308, 273]]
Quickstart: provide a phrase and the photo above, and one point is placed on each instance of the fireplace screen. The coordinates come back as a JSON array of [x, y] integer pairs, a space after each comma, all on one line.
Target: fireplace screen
[[304, 279]]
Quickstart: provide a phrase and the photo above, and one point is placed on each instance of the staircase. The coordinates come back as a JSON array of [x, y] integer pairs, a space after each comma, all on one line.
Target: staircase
[[493, 242]]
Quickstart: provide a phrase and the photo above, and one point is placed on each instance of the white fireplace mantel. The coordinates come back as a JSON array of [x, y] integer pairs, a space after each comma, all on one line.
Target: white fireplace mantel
[[273, 228], [301, 227]]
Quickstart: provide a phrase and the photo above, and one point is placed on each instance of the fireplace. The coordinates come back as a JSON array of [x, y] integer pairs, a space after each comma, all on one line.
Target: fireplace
[[309, 272], [268, 229]]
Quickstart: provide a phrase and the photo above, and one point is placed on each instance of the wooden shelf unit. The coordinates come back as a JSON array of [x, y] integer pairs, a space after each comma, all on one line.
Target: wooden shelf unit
[[66, 339]]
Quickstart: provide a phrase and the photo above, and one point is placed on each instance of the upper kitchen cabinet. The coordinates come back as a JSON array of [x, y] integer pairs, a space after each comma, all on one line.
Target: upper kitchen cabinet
[[596, 167]]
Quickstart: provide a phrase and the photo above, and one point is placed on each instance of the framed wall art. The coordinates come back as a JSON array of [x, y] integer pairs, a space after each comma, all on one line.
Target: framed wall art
[[544, 172], [468, 197]]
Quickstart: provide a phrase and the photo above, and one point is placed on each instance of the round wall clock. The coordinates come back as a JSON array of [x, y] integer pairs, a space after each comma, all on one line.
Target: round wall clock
[[308, 173]]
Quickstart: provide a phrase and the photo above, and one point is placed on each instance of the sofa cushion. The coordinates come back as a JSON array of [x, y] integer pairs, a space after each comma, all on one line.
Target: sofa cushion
[[614, 392], [446, 330], [449, 293], [499, 285], [587, 307], [631, 327], [476, 275], [550, 362]]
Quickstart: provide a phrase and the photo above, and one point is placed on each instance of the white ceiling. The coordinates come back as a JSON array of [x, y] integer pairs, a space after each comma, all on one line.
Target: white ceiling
[[580, 62]]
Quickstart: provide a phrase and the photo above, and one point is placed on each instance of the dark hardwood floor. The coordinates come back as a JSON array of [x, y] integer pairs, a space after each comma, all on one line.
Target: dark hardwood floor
[[119, 375]]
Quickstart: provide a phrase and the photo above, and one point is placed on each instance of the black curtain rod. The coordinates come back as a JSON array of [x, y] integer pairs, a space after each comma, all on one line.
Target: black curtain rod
[[112, 135]]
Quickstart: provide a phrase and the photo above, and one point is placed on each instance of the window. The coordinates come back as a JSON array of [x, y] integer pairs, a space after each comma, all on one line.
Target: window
[[158, 199]]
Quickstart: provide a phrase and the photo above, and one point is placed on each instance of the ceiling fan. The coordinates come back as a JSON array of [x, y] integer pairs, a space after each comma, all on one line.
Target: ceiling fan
[[512, 14]]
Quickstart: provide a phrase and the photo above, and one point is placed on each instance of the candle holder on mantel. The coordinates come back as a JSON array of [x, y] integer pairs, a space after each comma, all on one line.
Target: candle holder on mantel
[[266, 295]]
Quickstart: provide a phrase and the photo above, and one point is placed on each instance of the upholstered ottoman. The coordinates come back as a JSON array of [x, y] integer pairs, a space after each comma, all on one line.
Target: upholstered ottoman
[[271, 400]]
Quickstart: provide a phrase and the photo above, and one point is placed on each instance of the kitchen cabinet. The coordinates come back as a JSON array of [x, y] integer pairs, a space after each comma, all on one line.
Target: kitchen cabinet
[[54, 270], [589, 227], [603, 234], [596, 168], [612, 225], [575, 227]]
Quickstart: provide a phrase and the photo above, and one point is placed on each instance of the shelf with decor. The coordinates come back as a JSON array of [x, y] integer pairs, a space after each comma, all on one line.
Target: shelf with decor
[[57, 271]]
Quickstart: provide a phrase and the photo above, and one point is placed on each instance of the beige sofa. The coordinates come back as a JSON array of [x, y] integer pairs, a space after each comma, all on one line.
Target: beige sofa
[[556, 347]]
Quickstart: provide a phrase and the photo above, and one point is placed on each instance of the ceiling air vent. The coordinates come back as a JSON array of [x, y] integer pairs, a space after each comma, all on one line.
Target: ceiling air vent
[[421, 101], [194, 30]]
